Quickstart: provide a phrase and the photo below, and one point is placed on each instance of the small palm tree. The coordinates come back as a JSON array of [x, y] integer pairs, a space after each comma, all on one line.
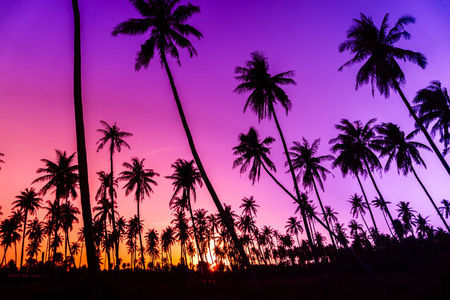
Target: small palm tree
[[140, 179], [400, 147], [293, 226], [446, 208], [249, 206], [376, 47], [28, 202], [9, 234], [406, 213], [152, 243], [358, 208], [115, 137]]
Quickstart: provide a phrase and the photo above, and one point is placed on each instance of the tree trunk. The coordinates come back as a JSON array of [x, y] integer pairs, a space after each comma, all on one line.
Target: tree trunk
[[81, 146], [230, 227], [23, 237], [431, 199], [140, 235], [113, 219], [194, 227], [370, 210], [323, 212]]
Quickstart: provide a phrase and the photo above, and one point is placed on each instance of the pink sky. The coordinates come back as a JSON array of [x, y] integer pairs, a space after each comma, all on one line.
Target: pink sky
[[37, 114]]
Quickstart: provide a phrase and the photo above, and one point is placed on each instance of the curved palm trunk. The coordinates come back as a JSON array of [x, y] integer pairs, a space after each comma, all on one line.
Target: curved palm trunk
[[431, 199], [81, 146], [140, 235], [382, 199], [422, 128], [195, 229], [323, 212], [23, 237], [297, 191], [370, 210], [113, 218], [208, 184]]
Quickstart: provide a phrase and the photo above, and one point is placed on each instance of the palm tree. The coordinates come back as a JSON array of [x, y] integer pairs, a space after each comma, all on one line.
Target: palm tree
[[406, 213], [81, 142], [265, 93], [167, 240], [28, 202], [382, 205], [376, 47], [330, 215], [400, 147], [185, 179], [115, 138], [36, 234], [152, 242], [167, 22], [181, 229], [433, 105], [68, 217], [446, 208], [358, 208], [293, 226], [140, 179], [354, 145], [422, 226], [309, 168], [251, 148], [9, 234], [249, 206]]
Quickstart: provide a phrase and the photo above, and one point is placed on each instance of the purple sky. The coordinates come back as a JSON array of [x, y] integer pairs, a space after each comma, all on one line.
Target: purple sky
[[37, 104]]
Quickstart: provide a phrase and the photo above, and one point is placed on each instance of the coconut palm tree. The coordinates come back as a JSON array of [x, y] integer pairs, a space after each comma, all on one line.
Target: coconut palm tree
[[181, 229], [9, 234], [446, 208], [28, 202], [376, 47], [152, 243], [113, 136], [249, 206], [140, 179], [422, 226], [400, 147], [382, 205], [81, 142], [185, 178], [167, 240], [355, 147], [310, 170], [36, 234], [167, 22], [330, 215], [265, 92], [406, 213], [358, 208], [433, 106], [68, 217], [252, 151], [293, 226]]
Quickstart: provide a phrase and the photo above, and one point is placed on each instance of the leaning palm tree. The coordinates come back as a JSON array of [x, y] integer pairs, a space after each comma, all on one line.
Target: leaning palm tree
[[81, 142], [355, 147], [140, 179], [186, 177], [433, 106], [265, 92], [399, 147], [376, 47], [445, 209], [115, 137], [253, 152], [167, 22], [310, 170], [28, 202]]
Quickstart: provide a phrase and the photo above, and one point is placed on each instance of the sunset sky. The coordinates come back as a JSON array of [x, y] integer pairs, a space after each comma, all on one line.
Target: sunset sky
[[37, 115]]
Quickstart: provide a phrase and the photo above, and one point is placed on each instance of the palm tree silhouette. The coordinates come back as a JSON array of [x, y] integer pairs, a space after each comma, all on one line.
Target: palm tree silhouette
[[152, 243], [376, 47], [406, 213], [9, 234], [293, 226], [265, 93], [185, 179], [115, 137], [358, 208], [181, 229], [36, 234], [309, 168], [422, 226], [167, 240], [138, 178], [81, 143], [446, 208], [250, 149], [400, 147], [167, 22], [433, 105], [354, 145], [28, 202], [382, 205], [68, 217]]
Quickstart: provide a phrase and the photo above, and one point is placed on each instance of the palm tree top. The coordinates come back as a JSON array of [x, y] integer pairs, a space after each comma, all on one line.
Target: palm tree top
[[264, 88], [249, 206], [185, 177], [28, 201], [305, 161], [166, 21], [113, 135], [138, 177], [374, 47]]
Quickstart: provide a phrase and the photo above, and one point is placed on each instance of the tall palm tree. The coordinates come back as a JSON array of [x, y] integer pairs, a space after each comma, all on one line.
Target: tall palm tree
[[310, 170], [265, 92], [28, 202], [406, 213], [355, 147], [115, 137], [376, 47], [433, 106], [186, 177], [140, 179], [167, 22], [81, 142], [400, 147], [253, 152]]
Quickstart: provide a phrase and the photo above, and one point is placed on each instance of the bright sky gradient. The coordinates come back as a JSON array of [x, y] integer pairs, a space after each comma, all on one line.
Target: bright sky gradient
[[37, 115]]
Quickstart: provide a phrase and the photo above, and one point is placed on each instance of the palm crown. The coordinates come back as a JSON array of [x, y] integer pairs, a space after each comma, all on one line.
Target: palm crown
[[168, 29], [138, 178], [376, 47]]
